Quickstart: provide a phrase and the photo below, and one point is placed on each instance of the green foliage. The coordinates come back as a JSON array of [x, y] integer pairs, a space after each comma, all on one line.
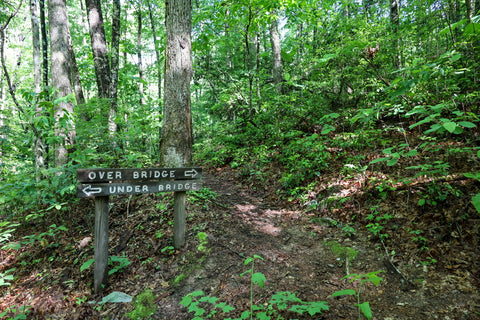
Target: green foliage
[[144, 306], [118, 263], [344, 254], [15, 313], [194, 300], [304, 158], [205, 307], [7, 229], [363, 307], [6, 276], [203, 241]]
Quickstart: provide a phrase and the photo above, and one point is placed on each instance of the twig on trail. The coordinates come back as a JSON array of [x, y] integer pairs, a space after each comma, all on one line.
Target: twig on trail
[[128, 205], [391, 265]]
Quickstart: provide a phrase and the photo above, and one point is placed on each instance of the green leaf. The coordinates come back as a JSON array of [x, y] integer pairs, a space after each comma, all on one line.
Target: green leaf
[[365, 308], [327, 129], [472, 175], [450, 126], [87, 264], [476, 202], [467, 124], [255, 256], [421, 202], [186, 301], [393, 161], [312, 308], [116, 297], [379, 160], [259, 279], [346, 292]]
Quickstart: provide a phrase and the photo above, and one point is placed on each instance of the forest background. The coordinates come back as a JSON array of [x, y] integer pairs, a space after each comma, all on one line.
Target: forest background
[[281, 91]]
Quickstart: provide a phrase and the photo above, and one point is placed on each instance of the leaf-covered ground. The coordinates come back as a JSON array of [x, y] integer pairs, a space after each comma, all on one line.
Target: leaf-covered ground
[[428, 254]]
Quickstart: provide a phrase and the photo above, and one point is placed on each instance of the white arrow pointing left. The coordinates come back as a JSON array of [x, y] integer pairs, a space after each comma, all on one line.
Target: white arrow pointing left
[[88, 190]]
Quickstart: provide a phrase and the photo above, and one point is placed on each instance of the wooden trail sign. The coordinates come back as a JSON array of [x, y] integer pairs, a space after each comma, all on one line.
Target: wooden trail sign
[[102, 183], [109, 189]]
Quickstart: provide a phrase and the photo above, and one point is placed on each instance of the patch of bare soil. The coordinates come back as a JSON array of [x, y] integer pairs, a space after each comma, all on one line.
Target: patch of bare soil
[[300, 248]]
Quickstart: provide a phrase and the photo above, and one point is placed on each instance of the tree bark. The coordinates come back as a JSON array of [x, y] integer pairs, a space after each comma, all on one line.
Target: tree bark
[[43, 29], [395, 23], [38, 145], [114, 65], [276, 55], [99, 47], [157, 51], [106, 80], [176, 140], [61, 72], [139, 54]]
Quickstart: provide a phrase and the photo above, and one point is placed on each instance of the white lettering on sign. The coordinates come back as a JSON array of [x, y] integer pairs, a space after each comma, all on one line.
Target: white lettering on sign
[[156, 174], [104, 175], [177, 187], [121, 189]]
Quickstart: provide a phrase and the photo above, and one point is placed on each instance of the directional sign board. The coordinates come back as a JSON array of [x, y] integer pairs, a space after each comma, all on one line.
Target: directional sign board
[[103, 175], [106, 182], [110, 189]]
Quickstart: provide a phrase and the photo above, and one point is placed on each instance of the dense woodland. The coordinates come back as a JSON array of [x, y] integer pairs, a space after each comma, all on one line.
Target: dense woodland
[[359, 114]]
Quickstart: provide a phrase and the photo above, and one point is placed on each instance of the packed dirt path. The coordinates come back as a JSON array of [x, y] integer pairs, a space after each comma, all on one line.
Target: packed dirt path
[[305, 251], [297, 248]]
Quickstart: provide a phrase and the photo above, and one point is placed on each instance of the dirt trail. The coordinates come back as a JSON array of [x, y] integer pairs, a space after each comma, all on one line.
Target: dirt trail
[[304, 252], [297, 251]]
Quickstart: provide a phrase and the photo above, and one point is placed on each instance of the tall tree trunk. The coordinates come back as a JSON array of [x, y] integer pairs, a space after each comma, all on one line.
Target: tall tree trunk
[[75, 76], [276, 55], [395, 23], [43, 29], [61, 72], [139, 54], [38, 146], [470, 9], [176, 140], [100, 56], [114, 65], [158, 61], [99, 47]]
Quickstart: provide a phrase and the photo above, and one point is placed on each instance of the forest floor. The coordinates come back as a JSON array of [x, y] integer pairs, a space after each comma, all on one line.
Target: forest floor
[[429, 260]]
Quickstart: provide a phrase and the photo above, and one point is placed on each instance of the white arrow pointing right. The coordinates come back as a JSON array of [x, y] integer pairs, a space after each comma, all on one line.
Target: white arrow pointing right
[[191, 173]]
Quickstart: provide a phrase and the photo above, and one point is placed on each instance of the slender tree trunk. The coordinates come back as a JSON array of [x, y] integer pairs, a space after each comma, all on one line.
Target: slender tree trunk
[[43, 29], [229, 63], [395, 23], [276, 55], [176, 140], [75, 76], [114, 65], [139, 54], [61, 72], [38, 146], [107, 88], [158, 61], [470, 9], [99, 47]]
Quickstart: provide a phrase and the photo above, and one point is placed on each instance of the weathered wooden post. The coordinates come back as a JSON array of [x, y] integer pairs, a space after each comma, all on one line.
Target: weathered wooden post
[[179, 219], [101, 242], [101, 183]]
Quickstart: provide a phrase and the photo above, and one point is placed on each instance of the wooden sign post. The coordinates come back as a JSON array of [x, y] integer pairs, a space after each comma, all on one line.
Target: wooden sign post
[[101, 183]]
